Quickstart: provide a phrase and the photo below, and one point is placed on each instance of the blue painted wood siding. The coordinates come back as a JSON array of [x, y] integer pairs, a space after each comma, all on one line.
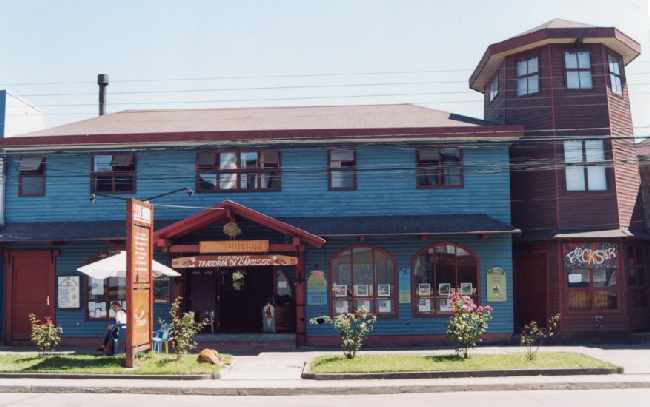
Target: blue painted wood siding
[[491, 252], [74, 322], [304, 186]]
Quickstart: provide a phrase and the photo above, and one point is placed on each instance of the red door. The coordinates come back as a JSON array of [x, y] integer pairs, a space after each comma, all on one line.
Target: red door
[[30, 280], [531, 288]]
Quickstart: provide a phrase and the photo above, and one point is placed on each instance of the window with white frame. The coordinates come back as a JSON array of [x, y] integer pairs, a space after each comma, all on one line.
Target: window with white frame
[[528, 76], [494, 88], [615, 78], [585, 165], [578, 69]]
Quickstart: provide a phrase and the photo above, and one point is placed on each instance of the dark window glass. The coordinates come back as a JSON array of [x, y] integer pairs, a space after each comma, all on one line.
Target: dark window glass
[[113, 173], [591, 275], [101, 293], [238, 171], [342, 169], [438, 167], [363, 278], [31, 176]]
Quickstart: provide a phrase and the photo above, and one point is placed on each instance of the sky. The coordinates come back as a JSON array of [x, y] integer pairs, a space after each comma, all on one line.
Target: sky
[[195, 54]]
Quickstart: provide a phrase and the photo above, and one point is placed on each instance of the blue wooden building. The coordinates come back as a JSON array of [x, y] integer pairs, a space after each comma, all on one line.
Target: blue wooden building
[[315, 210]]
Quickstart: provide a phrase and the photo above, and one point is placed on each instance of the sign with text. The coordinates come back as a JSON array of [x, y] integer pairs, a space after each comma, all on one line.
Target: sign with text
[[233, 261], [234, 246], [139, 294]]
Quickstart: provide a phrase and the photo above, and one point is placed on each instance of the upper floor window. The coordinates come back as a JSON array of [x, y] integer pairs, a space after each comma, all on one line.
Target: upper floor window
[[615, 77], [363, 278], [342, 169], [439, 167], [238, 171], [528, 76], [585, 165], [494, 88], [31, 176], [113, 173], [578, 69], [437, 271]]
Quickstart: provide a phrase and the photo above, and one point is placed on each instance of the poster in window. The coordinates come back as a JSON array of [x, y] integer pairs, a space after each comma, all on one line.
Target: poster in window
[[96, 287], [340, 290], [445, 306], [384, 306], [496, 285], [361, 290], [383, 290], [424, 305], [341, 306], [466, 288], [424, 289], [444, 289], [97, 310], [68, 292], [363, 305]]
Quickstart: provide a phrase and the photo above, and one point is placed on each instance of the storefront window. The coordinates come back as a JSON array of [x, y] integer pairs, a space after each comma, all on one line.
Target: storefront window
[[363, 278], [162, 290], [636, 263], [100, 295], [439, 270], [591, 275]]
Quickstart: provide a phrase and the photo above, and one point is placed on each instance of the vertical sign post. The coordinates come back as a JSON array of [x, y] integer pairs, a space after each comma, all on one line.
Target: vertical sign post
[[139, 282]]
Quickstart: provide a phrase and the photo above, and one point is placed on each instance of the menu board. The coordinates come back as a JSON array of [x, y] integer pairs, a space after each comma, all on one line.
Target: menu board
[[68, 290]]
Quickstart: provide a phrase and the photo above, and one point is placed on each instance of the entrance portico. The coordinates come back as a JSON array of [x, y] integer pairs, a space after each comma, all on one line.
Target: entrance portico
[[229, 280]]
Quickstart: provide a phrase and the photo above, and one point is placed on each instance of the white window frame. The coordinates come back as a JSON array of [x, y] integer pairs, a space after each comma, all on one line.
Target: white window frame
[[577, 65], [585, 167], [527, 75], [615, 74]]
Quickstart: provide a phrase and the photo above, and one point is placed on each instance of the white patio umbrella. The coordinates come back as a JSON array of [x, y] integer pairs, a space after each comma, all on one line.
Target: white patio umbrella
[[115, 266]]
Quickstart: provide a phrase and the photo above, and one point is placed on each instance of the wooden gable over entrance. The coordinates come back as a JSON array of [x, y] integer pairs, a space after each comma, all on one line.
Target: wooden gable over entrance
[[229, 210]]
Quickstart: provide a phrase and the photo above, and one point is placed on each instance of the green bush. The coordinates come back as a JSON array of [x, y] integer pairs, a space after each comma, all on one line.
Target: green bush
[[45, 335], [532, 336], [353, 328], [183, 328], [468, 322]]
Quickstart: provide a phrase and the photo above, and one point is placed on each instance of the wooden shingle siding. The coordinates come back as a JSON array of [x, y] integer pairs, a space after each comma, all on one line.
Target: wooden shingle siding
[[491, 252], [380, 191]]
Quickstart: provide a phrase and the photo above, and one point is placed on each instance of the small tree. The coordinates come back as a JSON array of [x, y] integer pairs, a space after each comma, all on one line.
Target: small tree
[[468, 322], [183, 328], [45, 335], [353, 328], [532, 336]]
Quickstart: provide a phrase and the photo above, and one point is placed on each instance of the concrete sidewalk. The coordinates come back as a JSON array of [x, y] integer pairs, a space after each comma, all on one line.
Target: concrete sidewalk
[[278, 374]]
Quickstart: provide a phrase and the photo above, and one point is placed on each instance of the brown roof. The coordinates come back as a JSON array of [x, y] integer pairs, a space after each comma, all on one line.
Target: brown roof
[[261, 119], [556, 31], [329, 124]]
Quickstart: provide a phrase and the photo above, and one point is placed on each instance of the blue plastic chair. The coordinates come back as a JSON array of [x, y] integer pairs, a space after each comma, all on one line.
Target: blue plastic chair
[[161, 338]]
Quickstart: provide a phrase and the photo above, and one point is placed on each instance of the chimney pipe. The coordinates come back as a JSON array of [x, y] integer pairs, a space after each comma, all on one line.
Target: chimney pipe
[[102, 81]]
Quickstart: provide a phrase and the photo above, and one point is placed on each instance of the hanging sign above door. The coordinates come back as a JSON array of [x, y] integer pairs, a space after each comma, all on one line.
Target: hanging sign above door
[[233, 261], [234, 246]]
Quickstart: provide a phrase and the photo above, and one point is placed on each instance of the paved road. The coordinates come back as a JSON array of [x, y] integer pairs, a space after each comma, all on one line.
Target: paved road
[[627, 398]]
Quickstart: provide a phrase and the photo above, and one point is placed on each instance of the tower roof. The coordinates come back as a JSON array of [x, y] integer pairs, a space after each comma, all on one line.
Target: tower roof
[[556, 31]]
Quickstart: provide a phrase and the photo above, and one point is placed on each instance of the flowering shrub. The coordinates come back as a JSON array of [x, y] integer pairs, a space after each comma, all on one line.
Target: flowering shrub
[[183, 328], [532, 336], [353, 329], [45, 335], [468, 322]]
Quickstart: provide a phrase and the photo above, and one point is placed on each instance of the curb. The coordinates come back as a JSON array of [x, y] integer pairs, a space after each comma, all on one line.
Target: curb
[[460, 374], [77, 376], [306, 391]]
